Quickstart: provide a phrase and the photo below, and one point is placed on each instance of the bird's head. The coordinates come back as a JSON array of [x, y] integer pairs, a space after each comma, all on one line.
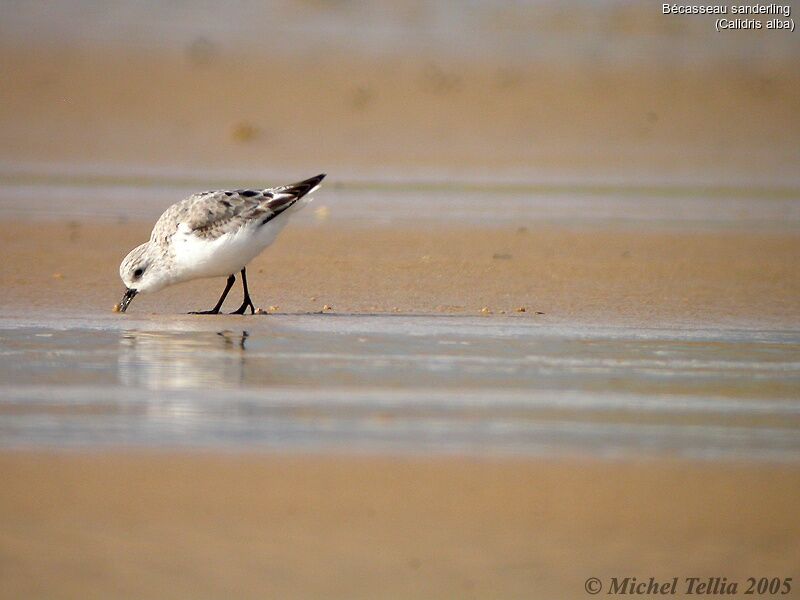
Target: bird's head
[[140, 271]]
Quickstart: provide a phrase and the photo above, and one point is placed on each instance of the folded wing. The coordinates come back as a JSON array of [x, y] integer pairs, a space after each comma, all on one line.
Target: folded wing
[[210, 215]]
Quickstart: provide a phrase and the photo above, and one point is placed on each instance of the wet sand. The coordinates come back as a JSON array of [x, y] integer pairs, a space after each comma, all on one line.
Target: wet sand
[[641, 278], [150, 523], [202, 526]]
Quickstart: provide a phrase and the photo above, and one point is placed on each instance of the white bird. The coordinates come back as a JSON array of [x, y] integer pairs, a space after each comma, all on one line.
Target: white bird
[[212, 234]]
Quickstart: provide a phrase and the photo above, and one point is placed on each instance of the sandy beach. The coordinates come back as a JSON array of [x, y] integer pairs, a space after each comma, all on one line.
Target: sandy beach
[[202, 526], [623, 277], [539, 325], [343, 114]]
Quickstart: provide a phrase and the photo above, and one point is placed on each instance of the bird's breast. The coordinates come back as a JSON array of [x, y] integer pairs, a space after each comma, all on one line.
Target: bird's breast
[[196, 256]]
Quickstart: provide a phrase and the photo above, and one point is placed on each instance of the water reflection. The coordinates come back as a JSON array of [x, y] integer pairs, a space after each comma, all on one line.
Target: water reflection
[[182, 360], [404, 384]]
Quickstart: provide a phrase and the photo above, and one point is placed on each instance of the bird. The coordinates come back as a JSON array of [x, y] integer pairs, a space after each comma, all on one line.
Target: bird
[[212, 234]]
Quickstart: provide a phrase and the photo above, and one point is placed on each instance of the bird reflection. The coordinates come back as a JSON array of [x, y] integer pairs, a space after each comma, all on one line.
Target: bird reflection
[[233, 340], [182, 360]]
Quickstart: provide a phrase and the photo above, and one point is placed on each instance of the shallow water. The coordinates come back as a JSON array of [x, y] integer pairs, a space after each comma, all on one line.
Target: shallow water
[[484, 203], [400, 384]]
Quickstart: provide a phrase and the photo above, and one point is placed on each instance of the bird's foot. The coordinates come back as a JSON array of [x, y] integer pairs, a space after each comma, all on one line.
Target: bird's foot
[[241, 310], [213, 311]]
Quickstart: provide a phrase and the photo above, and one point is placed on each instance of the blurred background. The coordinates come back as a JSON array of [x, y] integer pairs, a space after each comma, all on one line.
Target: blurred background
[[540, 324], [537, 91]]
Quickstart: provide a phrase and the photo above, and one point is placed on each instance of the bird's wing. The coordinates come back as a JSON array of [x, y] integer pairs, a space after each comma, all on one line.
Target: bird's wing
[[210, 215]]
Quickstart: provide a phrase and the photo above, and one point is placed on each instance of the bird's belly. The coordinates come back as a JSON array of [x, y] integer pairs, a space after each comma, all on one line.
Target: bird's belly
[[199, 257]]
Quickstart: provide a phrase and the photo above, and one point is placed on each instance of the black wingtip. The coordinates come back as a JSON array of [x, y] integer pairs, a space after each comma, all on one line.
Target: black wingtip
[[301, 188]]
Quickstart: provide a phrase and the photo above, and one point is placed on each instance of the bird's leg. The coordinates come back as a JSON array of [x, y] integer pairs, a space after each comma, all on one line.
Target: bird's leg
[[215, 310], [247, 302]]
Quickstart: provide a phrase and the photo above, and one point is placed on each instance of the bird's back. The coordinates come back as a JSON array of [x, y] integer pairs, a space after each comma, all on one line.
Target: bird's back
[[209, 215]]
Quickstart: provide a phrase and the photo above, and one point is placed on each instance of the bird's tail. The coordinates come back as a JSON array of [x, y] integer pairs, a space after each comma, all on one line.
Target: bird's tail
[[301, 188], [291, 198]]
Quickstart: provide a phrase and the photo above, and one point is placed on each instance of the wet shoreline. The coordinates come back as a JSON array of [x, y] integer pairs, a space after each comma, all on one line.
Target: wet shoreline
[[403, 385]]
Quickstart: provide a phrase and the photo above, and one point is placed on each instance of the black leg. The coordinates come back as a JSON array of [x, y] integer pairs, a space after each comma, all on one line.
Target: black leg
[[247, 302], [215, 310]]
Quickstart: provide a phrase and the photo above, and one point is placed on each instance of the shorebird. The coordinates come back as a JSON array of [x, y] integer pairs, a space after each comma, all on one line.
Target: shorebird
[[212, 234]]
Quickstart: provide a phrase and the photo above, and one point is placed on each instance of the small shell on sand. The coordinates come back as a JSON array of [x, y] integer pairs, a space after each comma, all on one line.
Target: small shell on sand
[[521, 309], [260, 311], [486, 310], [327, 307]]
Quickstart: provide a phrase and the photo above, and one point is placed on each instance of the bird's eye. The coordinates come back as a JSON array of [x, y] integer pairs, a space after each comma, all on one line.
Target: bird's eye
[[138, 273]]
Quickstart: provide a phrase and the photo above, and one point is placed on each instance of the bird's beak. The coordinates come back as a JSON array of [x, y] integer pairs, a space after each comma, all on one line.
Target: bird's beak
[[126, 299]]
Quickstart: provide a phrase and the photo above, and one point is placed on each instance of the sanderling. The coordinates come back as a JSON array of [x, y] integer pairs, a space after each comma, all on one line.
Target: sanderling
[[212, 234]]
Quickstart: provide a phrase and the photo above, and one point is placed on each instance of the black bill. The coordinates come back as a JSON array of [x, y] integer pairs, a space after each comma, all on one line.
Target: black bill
[[126, 299]]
